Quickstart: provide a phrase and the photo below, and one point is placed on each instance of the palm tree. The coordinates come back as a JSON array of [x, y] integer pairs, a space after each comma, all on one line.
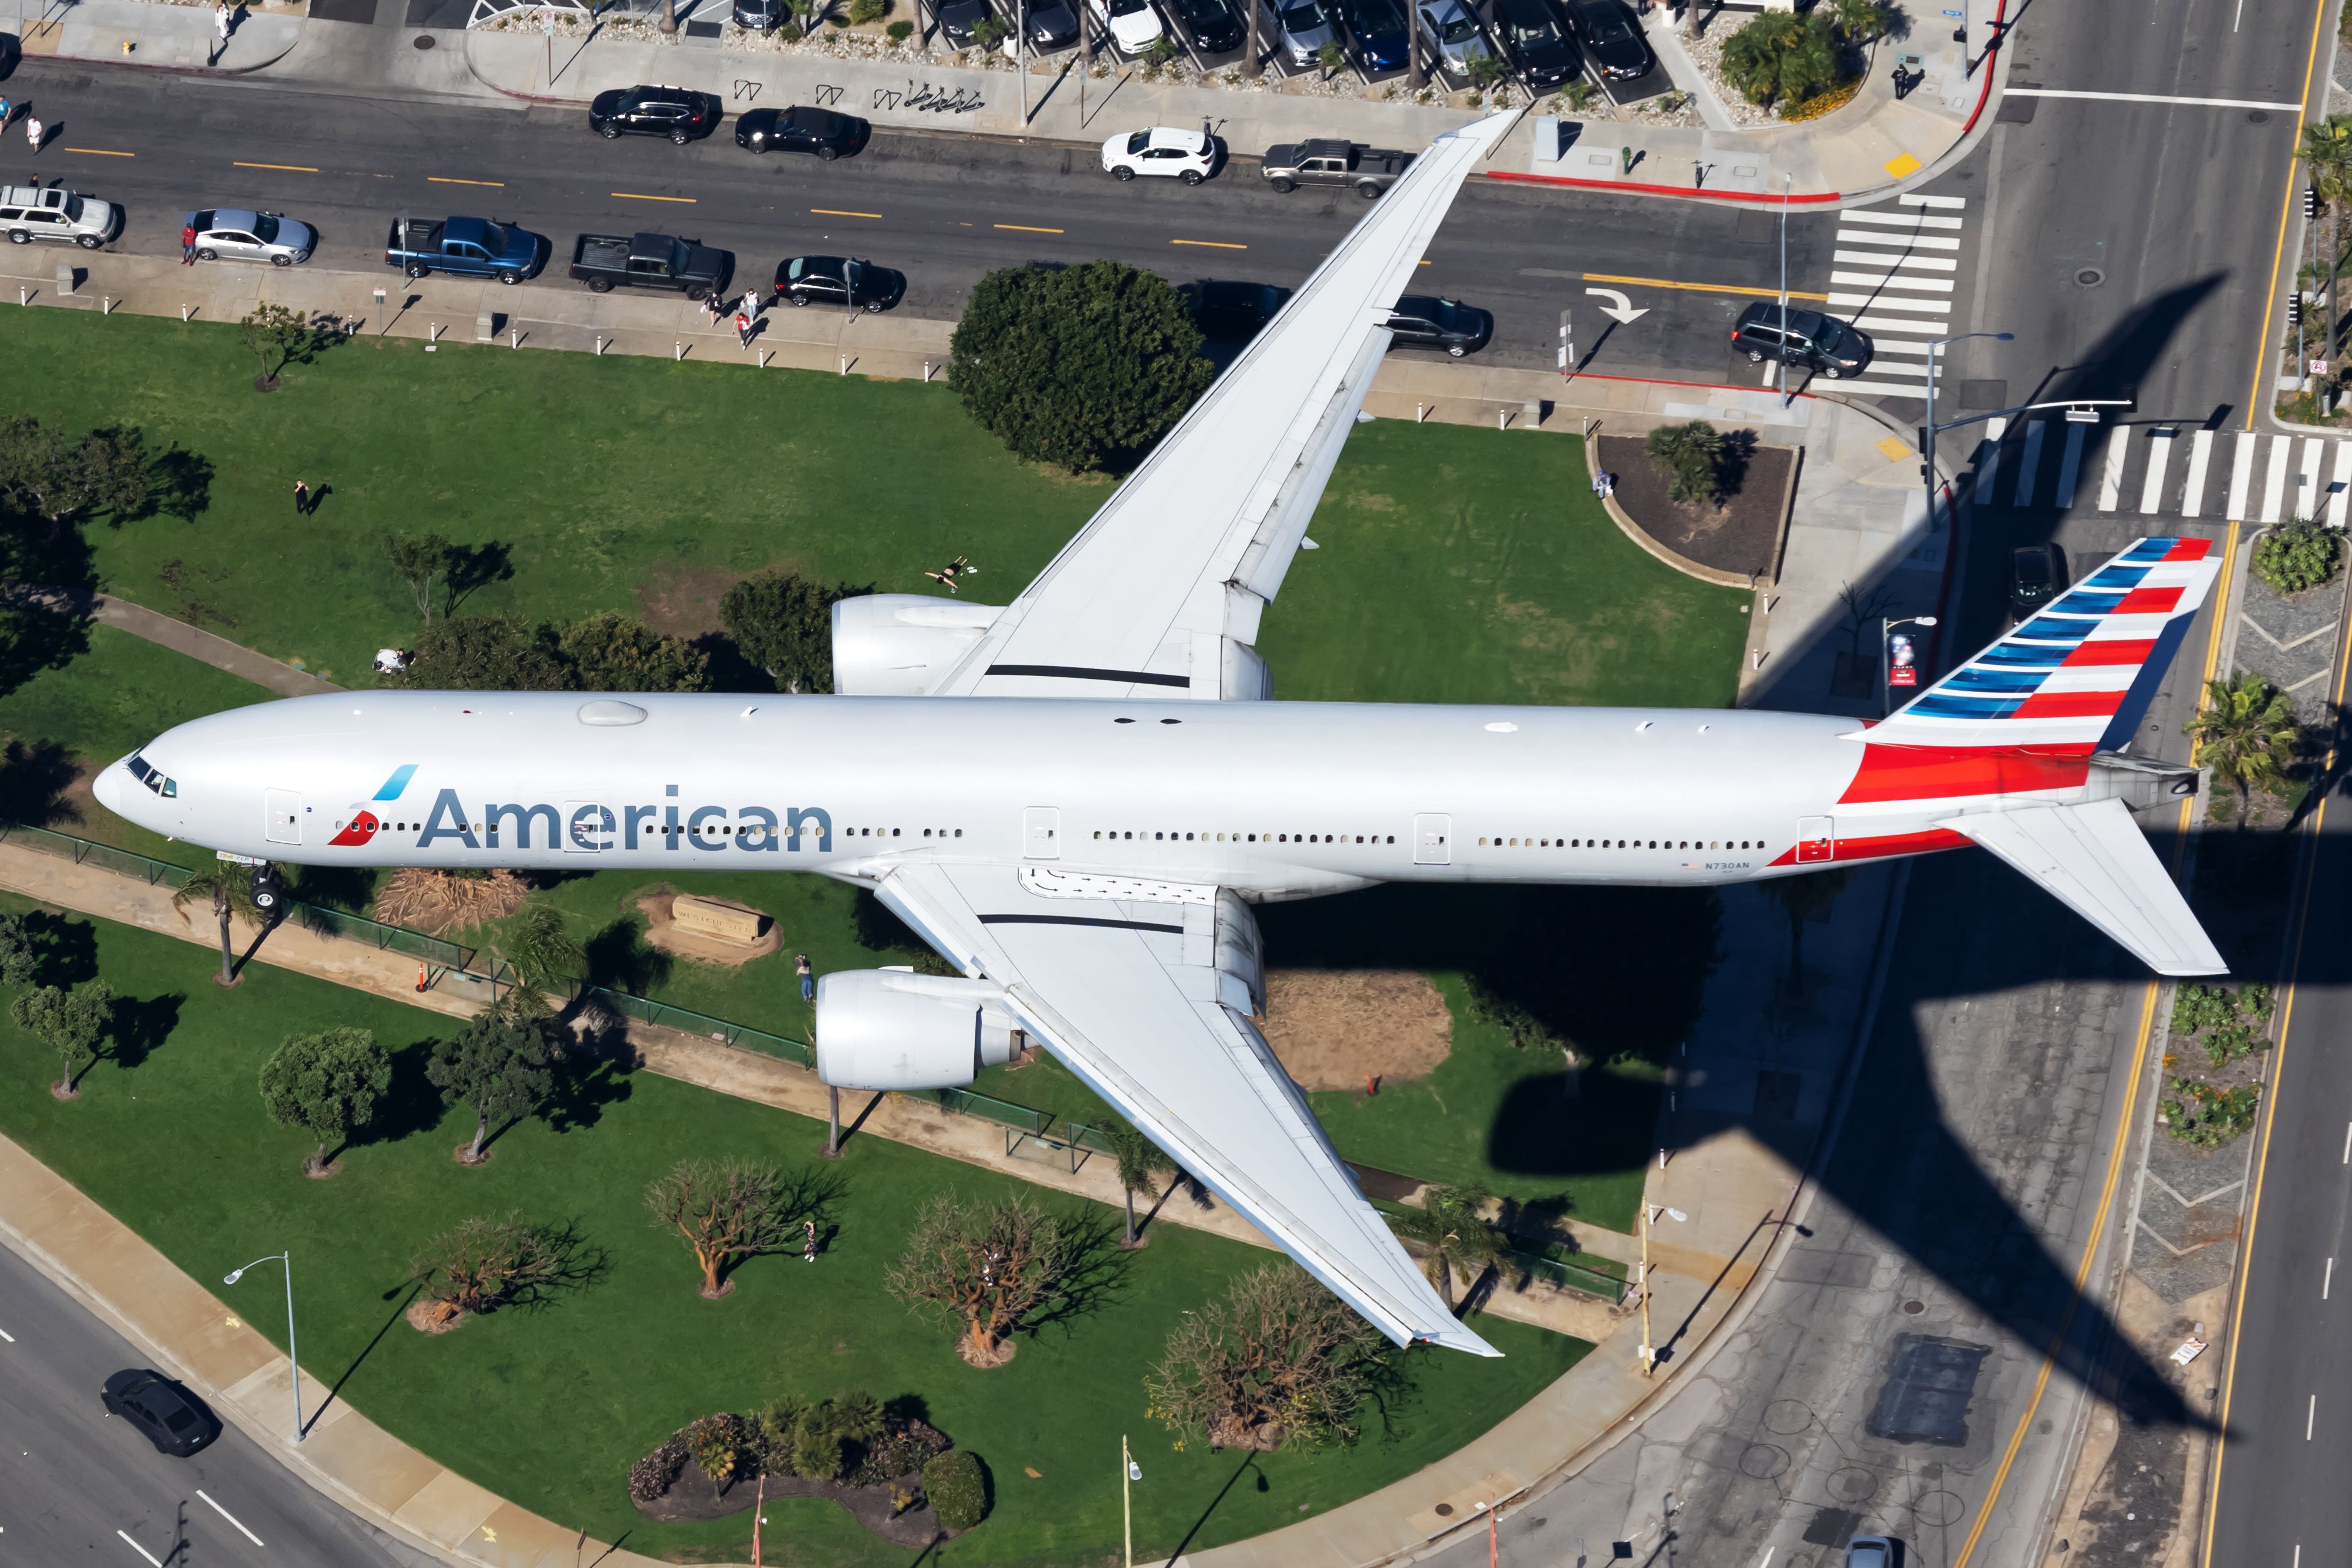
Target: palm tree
[[1805, 898], [544, 955], [1452, 1226], [1860, 20], [2244, 735], [1778, 56], [231, 892], [1691, 456], [2327, 152], [1140, 1160]]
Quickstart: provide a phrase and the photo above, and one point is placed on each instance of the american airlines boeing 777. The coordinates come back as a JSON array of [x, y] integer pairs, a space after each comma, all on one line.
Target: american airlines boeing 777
[[1077, 797]]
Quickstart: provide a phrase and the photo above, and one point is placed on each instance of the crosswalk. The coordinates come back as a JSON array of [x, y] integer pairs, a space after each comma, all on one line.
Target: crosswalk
[[1894, 272], [2163, 470]]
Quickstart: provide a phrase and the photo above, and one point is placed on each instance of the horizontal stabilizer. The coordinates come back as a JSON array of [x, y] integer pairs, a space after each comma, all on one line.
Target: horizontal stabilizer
[[2096, 861]]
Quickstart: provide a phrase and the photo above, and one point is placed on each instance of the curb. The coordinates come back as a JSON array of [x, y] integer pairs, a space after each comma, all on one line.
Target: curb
[[1682, 564], [134, 62]]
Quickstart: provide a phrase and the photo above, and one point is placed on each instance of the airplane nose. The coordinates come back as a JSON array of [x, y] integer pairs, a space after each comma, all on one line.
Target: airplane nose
[[111, 788]]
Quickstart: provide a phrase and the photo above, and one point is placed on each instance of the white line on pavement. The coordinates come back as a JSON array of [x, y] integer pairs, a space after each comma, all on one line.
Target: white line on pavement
[[141, 1549], [1889, 302], [2201, 452], [1882, 258], [1898, 324], [2111, 477], [1882, 347], [7, 1338], [2160, 453], [1896, 241], [1897, 388], [2031, 461], [1931, 201], [2310, 1415], [2347, 1143], [2306, 493], [2275, 477], [2154, 98], [2340, 485], [2242, 476], [231, 1518], [1881, 280], [1905, 220], [1988, 465], [2326, 1280], [2070, 467]]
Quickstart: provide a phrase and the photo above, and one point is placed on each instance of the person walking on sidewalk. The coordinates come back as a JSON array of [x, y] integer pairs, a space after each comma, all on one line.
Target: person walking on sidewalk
[[187, 245], [221, 20], [808, 977], [743, 326]]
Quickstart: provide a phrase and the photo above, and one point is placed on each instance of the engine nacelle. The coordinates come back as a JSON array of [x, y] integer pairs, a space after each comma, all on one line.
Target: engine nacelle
[[888, 1028], [902, 645]]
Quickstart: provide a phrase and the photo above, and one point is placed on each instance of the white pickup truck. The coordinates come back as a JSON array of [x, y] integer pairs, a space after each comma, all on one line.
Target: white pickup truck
[[28, 213]]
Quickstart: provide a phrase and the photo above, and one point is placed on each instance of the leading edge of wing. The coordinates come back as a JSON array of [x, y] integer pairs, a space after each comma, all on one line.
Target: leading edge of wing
[[1094, 981], [1225, 497]]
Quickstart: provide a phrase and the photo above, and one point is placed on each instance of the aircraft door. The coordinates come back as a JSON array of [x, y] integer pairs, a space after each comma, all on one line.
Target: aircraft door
[[283, 809], [1041, 833], [1433, 839], [1816, 840]]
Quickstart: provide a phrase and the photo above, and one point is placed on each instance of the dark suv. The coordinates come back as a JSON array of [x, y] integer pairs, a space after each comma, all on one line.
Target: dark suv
[[1806, 340], [1424, 321], [2037, 574], [1538, 41], [679, 113]]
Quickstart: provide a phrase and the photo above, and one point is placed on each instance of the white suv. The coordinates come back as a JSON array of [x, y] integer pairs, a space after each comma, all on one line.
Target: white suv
[[1187, 155], [28, 213], [1132, 23]]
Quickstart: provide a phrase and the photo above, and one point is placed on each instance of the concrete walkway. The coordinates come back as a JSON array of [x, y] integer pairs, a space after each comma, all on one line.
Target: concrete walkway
[[197, 643]]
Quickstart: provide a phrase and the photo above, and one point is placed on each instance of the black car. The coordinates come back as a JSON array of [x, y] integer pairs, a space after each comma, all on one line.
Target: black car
[[838, 280], [2037, 574], [1538, 44], [1381, 42], [801, 129], [1225, 310], [1612, 38], [166, 1414], [957, 18], [678, 112], [1216, 25], [1807, 339], [760, 15], [1053, 25], [1423, 321]]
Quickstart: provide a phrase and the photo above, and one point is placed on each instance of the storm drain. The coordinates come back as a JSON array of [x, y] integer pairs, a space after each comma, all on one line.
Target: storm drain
[[1929, 1383]]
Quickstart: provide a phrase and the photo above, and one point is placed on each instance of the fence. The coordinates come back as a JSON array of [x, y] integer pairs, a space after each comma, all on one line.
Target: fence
[[662, 1015], [1572, 1275], [431, 950], [84, 852]]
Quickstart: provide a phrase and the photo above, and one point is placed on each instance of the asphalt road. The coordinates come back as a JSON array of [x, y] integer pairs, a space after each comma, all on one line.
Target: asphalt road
[[84, 1487], [943, 209]]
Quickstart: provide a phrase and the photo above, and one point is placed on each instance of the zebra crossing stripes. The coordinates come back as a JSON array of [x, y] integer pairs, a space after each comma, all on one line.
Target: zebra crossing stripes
[[2070, 467], [2150, 470], [2340, 487], [2274, 477], [1893, 270], [2200, 453], [2160, 455], [2241, 476]]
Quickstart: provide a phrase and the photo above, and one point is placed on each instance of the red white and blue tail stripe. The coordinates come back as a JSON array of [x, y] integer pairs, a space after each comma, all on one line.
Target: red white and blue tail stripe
[[2079, 675]]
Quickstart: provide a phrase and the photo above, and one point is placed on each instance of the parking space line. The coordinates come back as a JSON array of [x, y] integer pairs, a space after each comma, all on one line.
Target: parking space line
[[98, 152], [451, 180], [290, 169], [1698, 287], [1211, 244], [642, 196], [1027, 228], [138, 1548], [231, 1518], [837, 212]]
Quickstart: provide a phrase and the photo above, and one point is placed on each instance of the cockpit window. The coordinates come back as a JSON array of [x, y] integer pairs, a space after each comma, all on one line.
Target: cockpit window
[[152, 777]]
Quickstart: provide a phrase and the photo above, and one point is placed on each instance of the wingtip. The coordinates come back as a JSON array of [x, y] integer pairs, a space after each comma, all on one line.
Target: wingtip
[[1454, 1337]]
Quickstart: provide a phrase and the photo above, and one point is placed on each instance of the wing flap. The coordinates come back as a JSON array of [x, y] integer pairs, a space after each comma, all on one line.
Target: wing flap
[[2094, 860]]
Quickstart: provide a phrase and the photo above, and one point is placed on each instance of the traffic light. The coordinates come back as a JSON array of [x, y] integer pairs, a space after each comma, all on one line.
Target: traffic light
[[2294, 308], [2310, 203]]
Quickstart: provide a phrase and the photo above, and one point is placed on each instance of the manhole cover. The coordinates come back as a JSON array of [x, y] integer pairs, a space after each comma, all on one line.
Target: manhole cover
[[1787, 1415], [423, 40], [2090, 277], [2259, 116], [1853, 1484], [1914, 1309], [1763, 1462], [1444, 1511], [1938, 1509]]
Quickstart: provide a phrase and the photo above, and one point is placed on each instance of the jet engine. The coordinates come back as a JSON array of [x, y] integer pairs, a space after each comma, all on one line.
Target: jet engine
[[902, 645], [890, 1029]]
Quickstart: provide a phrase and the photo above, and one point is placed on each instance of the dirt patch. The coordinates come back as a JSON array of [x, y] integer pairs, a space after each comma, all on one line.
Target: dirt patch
[[664, 932], [1740, 534], [683, 601], [1334, 1028], [437, 901], [430, 1317]]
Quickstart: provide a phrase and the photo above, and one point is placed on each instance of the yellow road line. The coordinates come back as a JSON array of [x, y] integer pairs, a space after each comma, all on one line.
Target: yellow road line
[[1693, 288], [98, 152], [2262, 346], [1025, 228], [642, 197], [1211, 244], [449, 180], [290, 168], [2220, 600], [835, 212]]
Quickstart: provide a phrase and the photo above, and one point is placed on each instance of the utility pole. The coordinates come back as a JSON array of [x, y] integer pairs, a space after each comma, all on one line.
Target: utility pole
[[1787, 396]]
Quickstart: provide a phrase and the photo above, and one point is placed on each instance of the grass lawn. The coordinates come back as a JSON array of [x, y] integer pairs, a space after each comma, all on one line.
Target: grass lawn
[[551, 1408]]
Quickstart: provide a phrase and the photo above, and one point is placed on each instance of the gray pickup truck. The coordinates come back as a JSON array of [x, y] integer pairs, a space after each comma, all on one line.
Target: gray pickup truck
[[687, 266], [1368, 170]]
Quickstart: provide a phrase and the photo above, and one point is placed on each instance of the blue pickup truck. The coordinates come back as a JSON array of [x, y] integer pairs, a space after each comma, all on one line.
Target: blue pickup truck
[[465, 247]]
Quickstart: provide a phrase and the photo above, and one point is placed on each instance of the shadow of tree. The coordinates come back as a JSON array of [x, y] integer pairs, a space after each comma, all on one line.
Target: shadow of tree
[[410, 1105], [473, 567], [32, 782], [619, 958], [64, 950], [142, 1027]]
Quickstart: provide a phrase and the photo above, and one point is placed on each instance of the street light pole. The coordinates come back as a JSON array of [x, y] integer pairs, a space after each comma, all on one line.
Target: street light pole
[[1927, 465], [1787, 396], [293, 1358], [1648, 1216], [1130, 1472]]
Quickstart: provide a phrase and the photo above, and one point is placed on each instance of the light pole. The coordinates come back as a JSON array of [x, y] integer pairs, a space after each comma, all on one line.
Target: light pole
[[1927, 465], [1886, 658], [1130, 1472], [293, 1361], [1787, 396], [1649, 1216]]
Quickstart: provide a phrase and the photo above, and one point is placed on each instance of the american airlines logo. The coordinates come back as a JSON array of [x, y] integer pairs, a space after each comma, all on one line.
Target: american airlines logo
[[584, 825]]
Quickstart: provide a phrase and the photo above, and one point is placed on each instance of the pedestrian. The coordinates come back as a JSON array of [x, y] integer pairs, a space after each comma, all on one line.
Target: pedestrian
[[946, 577], [33, 132], [750, 305], [187, 245], [8, 111], [301, 499], [221, 19], [716, 306], [808, 1241], [808, 977], [743, 328]]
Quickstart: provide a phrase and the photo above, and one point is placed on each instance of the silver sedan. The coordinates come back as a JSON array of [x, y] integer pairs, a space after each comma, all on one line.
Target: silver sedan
[[238, 234]]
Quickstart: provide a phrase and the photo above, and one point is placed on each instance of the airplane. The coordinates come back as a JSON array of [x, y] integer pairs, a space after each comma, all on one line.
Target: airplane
[[1077, 797]]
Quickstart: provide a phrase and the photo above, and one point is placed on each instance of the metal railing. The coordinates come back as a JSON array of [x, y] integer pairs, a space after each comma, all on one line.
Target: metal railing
[[1574, 1277], [432, 950], [86, 852], [663, 1014]]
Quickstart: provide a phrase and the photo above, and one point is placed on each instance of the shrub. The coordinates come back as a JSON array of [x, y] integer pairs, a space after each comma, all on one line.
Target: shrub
[[2205, 1117], [783, 623], [905, 1447], [723, 1444], [861, 12], [2297, 554], [957, 1484], [811, 1438], [1822, 103], [900, 32], [1778, 56], [1691, 456], [989, 32], [653, 1475]]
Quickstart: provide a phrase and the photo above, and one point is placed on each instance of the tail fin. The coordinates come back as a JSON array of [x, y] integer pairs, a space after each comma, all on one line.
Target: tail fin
[[2093, 859], [2080, 673]]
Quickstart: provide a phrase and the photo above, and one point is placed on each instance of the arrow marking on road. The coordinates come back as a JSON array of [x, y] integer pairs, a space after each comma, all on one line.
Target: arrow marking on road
[[1622, 310]]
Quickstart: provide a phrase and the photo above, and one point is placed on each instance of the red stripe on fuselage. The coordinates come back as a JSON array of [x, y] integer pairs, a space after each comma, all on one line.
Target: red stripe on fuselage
[[2121, 650], [1883, 845], [2149, 601], [1937, 773]]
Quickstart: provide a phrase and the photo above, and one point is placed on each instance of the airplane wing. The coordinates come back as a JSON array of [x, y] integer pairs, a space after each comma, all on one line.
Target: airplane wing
[[1143, 989], [1159, 595]]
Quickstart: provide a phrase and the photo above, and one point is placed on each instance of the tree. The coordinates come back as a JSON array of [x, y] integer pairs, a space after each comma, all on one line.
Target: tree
[[70, 1023], [20, 959], [546, 957], [2244, 735], [1860, 21], [328, 1084], [1453, 1231], [480, 1264], [276, 336], [996, 1267], [727, 1211], [1330, 57], [2297, 554], [419, 559], [783, 623], [486, 653], [1253, 59], [1277, 1363], [611, 652], [61, 480], [1776, 55], [502, 1067], [811, 1437], [956, 1482], [229, 890], [1805, 898], [1139, 1161], [1084, 367], [1690, 455], [2325, 151]]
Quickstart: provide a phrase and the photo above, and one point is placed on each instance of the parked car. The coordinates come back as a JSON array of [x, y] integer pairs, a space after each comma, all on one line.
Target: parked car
[[1225, 310], [762, 16], [1187, 155], [163, 1412], [1612, 38], [1052, 25], [465, 247], [1453, 34], [28, 213], [801, 129], [1216, 25], [679, 113], [1806, 340], [238, 234], [687, 266], [1368, 170], [1381, 42], [1538, 42], [2037, 574], [1134, 25], [838, 280], [1300, 29], [1423, 321], [957, 18]]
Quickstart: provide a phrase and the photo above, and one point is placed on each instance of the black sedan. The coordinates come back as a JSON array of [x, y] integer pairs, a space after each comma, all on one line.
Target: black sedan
[[838, 280], [679, 113], [801, 129], [1215, 25], [1425, 322], [957, 18], [1228, 310], [1053, 25], [1612, 38], [164, 1414], [1538, 44]]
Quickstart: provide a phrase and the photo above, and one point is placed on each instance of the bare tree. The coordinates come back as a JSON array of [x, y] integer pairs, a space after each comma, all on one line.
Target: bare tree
[[727, 1211], [1805, 898], [1863, 605], [1277, 1363], [480, 1264], [996, 1267]]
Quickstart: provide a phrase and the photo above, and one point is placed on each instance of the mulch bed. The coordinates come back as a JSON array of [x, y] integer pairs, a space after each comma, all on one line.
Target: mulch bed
[[692, 1497], [1740, 534]]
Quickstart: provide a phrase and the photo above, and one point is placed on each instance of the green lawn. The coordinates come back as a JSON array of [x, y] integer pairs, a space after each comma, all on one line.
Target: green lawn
[[551, 1408]]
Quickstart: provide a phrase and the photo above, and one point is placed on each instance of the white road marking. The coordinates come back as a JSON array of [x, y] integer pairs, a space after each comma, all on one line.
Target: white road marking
[[2347, 1143], [1931, 201], [1883, 346], [7, 1337], [2159, 454], [2201, 452], [2031, 461], [1883, 280], [1989, 466], [2341, 486], [2154, 98], [1907, 220], [1899, 241], [1864, 302], [2111, 478], [2310, 1415], [2274, 477], [2307, 499], [2242, 476], [1882, 258], [2070, 467], [1897, 324], [231, 1518], [141, 1549], [1918, 389], [2328, 1279]]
